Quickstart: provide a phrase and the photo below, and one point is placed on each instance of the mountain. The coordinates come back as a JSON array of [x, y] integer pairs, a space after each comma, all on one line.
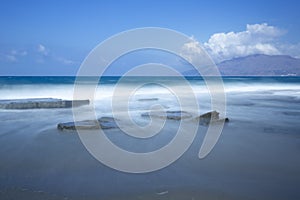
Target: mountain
[[261, 65], [258, 65]]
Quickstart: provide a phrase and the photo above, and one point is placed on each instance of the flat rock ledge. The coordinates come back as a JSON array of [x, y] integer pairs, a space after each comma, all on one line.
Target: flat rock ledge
[[103, 123], [171, 115], [148, 99], [211, 117], [204, 119], [41, 103]]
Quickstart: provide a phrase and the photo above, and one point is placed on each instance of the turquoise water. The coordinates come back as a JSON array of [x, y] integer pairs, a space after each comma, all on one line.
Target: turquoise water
[[11, 80]]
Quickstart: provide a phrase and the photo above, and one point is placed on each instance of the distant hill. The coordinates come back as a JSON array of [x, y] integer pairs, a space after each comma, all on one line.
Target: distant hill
[[258, 65], [261, 65]]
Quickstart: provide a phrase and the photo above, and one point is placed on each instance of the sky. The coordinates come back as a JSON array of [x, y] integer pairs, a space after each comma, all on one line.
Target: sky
[[53, 37]]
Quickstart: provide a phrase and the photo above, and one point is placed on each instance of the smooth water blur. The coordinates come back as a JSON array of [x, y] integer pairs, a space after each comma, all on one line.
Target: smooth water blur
[[62, 87], [257, 156]]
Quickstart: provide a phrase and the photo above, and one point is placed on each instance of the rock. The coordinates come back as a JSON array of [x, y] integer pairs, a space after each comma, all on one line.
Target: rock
[[172, 115], [223, 120], [211, 117], [208, 117], [82, 125], [103, 123], [41, 103], [149, 99], [107, 123]]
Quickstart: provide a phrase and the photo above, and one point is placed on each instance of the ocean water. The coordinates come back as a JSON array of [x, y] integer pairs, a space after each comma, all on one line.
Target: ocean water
[[256, 157]]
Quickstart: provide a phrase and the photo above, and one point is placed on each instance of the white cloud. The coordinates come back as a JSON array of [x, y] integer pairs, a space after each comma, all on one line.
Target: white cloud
[[193, 52], [18, 52], [8, 58], [264, 30], [191, 49], [65, 61], [39, 54], [13, 55], [42, 49], [50, 56], [256, 39]]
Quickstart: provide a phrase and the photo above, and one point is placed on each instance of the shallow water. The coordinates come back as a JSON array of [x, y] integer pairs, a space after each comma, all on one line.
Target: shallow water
[[256, 157]]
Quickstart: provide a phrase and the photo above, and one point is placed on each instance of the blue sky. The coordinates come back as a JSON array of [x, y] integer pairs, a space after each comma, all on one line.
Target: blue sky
[[53, 37]]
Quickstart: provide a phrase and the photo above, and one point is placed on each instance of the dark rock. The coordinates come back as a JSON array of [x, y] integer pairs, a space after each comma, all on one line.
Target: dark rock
[[206, 118], [172, 115], [103, 123], [222, 120], [211, 117], [41, 103], [82, 125]]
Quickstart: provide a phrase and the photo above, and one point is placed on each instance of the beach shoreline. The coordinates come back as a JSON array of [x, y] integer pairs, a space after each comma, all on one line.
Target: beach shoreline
[[256, 157]]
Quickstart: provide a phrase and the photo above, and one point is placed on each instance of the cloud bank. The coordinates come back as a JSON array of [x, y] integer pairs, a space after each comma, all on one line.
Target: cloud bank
[[192, 50], [256, 39]]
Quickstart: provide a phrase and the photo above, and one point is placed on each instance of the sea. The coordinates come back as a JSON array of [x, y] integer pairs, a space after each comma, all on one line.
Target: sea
[[256, 156]]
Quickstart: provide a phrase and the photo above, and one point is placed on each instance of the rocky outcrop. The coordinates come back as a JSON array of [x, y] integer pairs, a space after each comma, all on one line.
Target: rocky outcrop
[[211, 117], [41, 103], [103, 123], [171, 115], [204, 119], [110, 122]]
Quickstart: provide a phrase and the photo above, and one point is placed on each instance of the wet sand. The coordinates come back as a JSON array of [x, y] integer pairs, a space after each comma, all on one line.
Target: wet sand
[[247, 162]]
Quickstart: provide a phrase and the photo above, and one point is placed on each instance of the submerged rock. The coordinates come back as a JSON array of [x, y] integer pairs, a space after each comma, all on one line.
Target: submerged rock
[[172, 115], [148, 99], [211, 117], [103, 123], [222, 120], [41, 103]]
